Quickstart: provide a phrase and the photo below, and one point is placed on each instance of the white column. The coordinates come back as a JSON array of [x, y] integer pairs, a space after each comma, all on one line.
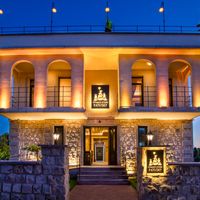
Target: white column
[[5, 84], [195, 80], [77, 82], [40, 88], [125, 81], [162, 82]]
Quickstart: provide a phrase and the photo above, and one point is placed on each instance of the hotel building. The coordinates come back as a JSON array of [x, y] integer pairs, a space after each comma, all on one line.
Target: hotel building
[[101, 93]]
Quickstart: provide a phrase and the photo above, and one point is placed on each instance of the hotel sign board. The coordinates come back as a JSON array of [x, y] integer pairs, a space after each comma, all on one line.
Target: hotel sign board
[[155, 160], [100, 96]]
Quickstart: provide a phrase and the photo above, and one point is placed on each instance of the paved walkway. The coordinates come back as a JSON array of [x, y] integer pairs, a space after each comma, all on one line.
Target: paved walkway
[[103, 192]]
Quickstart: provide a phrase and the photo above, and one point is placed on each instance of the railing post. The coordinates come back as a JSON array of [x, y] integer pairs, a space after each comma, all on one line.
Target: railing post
[[176, 95], [18, 96], [184, 96]]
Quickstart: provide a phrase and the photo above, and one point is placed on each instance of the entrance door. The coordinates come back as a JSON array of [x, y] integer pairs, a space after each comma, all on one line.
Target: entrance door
[[113, 146], [100, 145]]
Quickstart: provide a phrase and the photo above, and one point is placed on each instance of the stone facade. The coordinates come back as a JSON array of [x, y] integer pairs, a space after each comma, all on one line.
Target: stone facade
[[182, 182], [175, 134], [23, 133], [43, 180]]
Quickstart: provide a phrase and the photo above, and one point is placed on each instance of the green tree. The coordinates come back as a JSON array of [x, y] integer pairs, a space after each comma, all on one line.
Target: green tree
[[4, 147]]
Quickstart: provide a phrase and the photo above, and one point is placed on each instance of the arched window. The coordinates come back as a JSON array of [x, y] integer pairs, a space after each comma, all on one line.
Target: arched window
[[59, 84], [143, 83], [22, 84], [180, 90]]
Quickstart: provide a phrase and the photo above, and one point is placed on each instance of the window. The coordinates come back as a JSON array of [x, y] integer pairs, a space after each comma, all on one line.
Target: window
[[137, 91], [142, 136]]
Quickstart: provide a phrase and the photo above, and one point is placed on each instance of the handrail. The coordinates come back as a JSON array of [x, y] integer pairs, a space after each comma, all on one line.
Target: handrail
[[98, 29]]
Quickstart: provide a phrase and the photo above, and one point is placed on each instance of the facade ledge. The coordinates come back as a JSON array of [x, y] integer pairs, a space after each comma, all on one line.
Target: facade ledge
[[159, 109], [52, 109], [193, 164]]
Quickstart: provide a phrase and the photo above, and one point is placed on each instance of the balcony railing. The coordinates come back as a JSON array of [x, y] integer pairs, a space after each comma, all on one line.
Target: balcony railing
[[181, 96], [59, 96], [22, 97], [145, 98], [98, 29]]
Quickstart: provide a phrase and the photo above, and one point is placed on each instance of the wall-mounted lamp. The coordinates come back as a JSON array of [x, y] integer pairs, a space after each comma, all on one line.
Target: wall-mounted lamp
[[149, 138], [56, 137]]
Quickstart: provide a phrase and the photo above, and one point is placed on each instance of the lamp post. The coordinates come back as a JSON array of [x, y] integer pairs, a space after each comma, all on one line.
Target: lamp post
[[108, 27], [162, 10], [56, 137], [53, 11], [149, 138]]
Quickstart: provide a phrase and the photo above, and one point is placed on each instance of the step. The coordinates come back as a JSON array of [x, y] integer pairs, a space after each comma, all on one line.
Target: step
[[104, 182], [102, 172], [102, 177]]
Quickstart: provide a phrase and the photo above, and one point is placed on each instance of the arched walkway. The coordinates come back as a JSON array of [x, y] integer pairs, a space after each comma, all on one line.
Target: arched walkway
[[59, 84], [180, 90], [22, 84], [143, 83]]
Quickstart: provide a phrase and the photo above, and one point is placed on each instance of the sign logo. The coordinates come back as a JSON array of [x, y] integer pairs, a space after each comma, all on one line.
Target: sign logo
[[155, 161], [100, 96]]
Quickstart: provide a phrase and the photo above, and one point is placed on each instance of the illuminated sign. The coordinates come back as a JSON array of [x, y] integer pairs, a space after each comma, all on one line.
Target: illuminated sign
[[100, 96], [155, 161]]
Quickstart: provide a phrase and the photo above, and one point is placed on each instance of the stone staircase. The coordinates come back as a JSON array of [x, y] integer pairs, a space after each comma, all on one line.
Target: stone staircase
[[108, 175]]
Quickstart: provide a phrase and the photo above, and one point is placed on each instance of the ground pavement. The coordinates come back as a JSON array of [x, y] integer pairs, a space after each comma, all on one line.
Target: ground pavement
[[103, 192]]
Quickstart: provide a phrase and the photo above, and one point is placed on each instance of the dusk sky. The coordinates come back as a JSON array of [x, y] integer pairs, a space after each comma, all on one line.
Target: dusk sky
[[91, 12]]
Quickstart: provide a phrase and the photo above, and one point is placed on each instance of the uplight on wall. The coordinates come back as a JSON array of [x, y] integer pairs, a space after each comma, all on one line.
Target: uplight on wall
[[1, 12]]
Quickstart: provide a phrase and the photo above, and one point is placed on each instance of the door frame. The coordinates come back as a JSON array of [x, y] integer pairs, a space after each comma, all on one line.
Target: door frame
[[116, 142]]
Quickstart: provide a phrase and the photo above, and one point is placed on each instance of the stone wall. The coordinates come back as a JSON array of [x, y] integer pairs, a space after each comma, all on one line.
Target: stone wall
[[182, 182], [43, 180], [175, 134], [25, 132]]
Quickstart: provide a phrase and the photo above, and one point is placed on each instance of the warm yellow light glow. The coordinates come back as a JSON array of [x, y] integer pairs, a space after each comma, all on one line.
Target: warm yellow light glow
[[1, 12], [54, 10], [40, 102], [5, 98], [149, 63], [107, 9], [161, 9]]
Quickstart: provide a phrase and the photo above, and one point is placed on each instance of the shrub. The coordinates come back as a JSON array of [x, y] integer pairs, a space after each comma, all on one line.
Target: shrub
[[4, 147]]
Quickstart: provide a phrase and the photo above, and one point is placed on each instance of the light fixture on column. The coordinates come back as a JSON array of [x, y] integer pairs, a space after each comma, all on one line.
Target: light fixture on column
[[149, 138], [162, 10], [53, 11], [1, 11], [56, 137]]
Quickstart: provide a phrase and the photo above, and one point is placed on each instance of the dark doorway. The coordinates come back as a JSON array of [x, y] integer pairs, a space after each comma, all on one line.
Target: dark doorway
[[100, 146], [170, 92], [137, 91], [31, 97], [142, 136]]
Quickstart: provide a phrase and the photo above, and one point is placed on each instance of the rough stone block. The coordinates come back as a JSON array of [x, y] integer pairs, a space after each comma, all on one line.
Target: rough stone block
[[28, 169], [20, 178], [40, 197], [41, 179], [30, 179], [37, 188], [37, 169], [2, 178], [15, 196], [6, 187], [26, 188], [29, 197], [17, 188], [9, 178], [5, 196], [18, 169], [6, 169], [46, 189]]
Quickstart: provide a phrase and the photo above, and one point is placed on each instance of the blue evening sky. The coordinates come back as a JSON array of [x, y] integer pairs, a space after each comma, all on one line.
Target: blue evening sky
[[91, 12]]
